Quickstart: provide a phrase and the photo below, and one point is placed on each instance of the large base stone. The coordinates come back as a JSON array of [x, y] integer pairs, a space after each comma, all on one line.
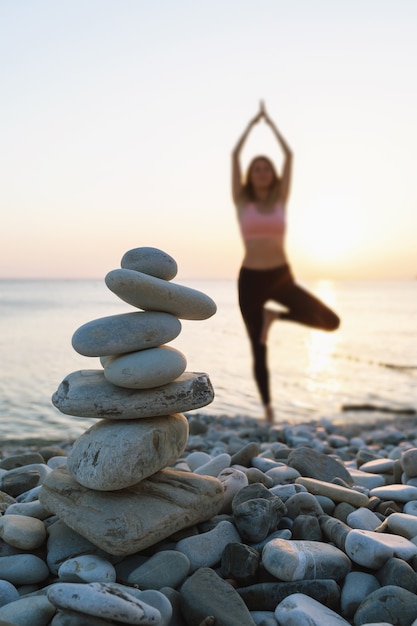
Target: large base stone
[[86, 393], [128, 521]]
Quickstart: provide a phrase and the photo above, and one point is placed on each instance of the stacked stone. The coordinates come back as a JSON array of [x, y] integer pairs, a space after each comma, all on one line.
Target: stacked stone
[[116, 489]]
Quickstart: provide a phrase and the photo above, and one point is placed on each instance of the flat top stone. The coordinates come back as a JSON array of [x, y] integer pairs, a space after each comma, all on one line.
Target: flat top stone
[[127, 521], [336, 493], [86, 393], [153, 294]]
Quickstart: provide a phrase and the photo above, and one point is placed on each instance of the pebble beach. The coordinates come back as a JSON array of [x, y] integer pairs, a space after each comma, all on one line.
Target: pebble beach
[[317, 526], [160, 514]]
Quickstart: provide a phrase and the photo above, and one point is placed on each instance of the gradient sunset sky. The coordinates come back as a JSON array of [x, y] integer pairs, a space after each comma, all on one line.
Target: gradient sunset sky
[[118, 118]]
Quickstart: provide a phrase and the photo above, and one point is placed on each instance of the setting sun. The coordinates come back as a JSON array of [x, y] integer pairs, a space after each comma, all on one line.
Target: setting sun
[[329, 229]]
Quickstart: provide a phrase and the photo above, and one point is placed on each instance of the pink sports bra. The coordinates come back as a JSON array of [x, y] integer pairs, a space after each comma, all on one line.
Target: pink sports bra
[[257, 225]]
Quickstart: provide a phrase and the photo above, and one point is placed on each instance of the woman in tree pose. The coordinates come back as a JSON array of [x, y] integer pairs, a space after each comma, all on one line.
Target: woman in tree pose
[[261, 199]]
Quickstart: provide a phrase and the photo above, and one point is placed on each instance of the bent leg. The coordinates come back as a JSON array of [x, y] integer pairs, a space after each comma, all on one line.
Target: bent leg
[[302, 307]]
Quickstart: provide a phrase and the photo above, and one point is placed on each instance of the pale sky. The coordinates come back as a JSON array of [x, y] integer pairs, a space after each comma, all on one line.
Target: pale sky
[[118, 118]]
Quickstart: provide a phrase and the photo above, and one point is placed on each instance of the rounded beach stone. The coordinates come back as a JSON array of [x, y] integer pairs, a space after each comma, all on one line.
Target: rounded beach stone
[[290, 560], [113, 521], [167, 568], [216, 465], [303, 503], [337, 493], [233, 480], [87, 393], [222, 602], [390, 604], [398, 493], [150, 261], [397, 572], [197, 459], [145, 369], [146, 446], [313, 464], [87, 568], [255, 519], [23, 569], [21, 460], [102, 600], [21, 531], [245, 455], [36, 610], [240, 562], [153, 294], [371, 549], [8, 593], [409, 462], [126, 332], [299, 609], [364, 519], [205, 549], [356, 587]]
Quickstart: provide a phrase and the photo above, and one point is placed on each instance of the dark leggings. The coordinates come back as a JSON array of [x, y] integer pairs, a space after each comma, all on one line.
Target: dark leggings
[[256, 287]]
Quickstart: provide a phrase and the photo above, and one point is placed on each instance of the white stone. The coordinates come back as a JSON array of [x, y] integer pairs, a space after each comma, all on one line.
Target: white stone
[[150, 261], [87, 393], [205, 549], [409, 462], [215, 465], [371, 549], [126, 332], [102, 600], [197, 458], [56, 461], [337, 493], [399, 493], [402, 524], [364, 519], [127, 521], [298, 609], [366, 479], [283, 475], [145, 369], [233, 480], [379, 466], [113, 455], [21, 531], [153, 294], [290, 560], [87, 568]]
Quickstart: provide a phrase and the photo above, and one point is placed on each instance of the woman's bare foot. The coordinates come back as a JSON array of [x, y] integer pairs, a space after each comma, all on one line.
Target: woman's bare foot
[[269, 316], [269, 414]]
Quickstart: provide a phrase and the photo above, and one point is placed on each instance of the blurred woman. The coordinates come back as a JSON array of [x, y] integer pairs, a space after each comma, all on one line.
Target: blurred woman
[[261, 199]]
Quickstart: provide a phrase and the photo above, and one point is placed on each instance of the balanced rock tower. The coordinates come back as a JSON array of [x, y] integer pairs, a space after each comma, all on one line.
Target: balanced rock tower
[[117, 489]]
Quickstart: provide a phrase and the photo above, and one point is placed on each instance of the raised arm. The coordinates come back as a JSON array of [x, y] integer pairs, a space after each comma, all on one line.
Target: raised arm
[[287, 167], [236, 169]]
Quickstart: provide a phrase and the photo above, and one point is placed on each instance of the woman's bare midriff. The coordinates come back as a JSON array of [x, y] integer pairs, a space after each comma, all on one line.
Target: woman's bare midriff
[[264, 254]]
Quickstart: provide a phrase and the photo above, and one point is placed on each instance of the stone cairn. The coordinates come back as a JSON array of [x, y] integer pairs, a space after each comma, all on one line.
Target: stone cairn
[[117, 489]]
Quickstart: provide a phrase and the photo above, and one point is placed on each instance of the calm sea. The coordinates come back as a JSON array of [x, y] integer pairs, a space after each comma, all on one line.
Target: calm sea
[[371, 361]]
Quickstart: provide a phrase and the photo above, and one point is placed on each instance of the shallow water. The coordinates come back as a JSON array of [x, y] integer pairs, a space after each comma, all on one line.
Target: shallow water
[[371, 360]]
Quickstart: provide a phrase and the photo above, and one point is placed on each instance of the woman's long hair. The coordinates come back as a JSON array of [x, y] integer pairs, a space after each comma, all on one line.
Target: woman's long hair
[[248, 193]]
